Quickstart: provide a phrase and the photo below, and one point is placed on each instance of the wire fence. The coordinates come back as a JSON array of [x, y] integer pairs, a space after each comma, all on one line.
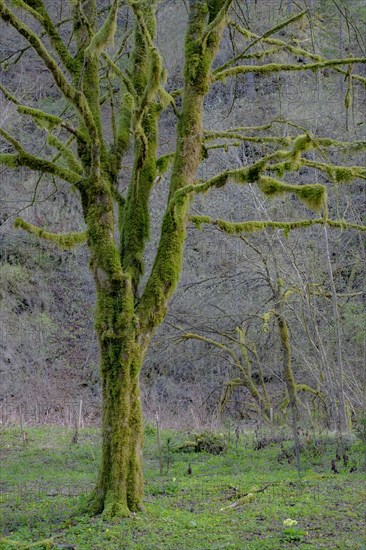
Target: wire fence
[[26, 491], [76, 413]]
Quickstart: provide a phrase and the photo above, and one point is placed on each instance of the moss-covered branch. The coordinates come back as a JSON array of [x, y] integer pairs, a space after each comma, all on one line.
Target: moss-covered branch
[[209, 135], [164, 162], [280, 67], [9, 96], [343, 224], [121, 75], [122, 134], [10, 139], [66, 153], [224, 146], [253, 172], [146, 78], [9, 17], [105, 35], [35, 163], [236, 228], [39, 165], [218, 13], [44, 119], [195, 336], [318, 141], [47, 121], [312, 195], [63, 240], [337, 174]]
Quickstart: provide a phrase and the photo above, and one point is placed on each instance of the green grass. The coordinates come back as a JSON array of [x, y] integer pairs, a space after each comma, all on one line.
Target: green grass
[[42, 480]]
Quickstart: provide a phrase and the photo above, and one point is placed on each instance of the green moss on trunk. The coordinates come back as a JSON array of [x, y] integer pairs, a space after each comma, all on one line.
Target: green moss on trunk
[[119, 488]]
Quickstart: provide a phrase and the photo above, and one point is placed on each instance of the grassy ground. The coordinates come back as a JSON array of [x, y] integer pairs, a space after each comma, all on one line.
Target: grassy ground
[[42, 480]]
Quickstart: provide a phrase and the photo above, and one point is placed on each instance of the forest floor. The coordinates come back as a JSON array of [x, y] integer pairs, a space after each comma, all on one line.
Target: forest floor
[[44, 474]]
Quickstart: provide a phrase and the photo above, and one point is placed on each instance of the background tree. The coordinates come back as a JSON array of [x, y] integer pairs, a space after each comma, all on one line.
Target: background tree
[[128, 86]]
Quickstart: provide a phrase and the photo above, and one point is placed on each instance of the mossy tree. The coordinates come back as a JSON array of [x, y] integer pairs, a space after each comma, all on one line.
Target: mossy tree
[[88, 157]]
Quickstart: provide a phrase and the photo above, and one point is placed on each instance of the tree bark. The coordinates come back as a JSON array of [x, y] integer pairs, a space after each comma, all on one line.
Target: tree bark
[[119, 488]]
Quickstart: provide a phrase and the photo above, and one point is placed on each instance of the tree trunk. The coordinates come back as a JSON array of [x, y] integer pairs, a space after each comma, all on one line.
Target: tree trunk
[[288, 374], [119, 488], [339, 378]]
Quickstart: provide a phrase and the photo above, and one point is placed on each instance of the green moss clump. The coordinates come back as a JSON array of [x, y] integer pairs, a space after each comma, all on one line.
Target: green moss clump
[[10, 159], [208, 442], [301, 143], [122, 137], [254, 172], [341, 174], [282, 167], [337, 174], [199, 220], [236, 228], [266, 319], [163, 163], [271, 187], [105, 35], [312, 195]]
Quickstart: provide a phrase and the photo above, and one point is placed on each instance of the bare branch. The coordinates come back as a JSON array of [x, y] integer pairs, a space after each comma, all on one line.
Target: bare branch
[[268, 33], [295, 50], [195, 336]]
